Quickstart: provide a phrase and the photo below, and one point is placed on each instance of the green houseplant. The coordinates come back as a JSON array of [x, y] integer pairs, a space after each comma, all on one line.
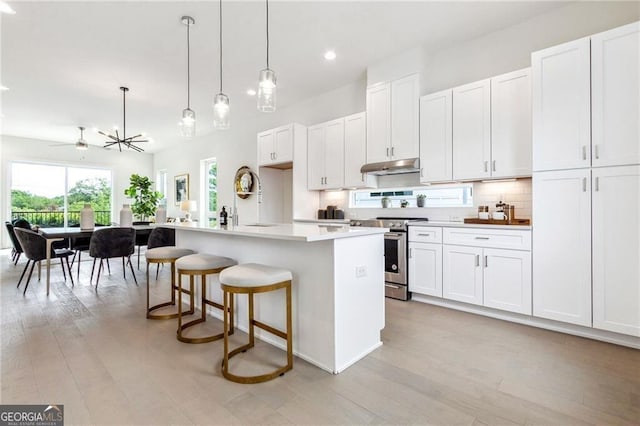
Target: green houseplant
[[420, 200], [145, 199]]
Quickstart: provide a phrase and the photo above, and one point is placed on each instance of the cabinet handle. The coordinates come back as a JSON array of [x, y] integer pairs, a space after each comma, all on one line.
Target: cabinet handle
[[486, 261], [425, 234], [477, 260], [584, 184], [421, 172], [392, 151], [494, 165], [387, 152], [486, 166], [597, 184], [597, 152], [584, 152], [410, 253], [481, 238]]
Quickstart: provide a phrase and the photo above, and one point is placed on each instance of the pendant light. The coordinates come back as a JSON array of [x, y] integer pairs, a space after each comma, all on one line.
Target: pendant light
[[221, 101], [267, 81], [188, 122], [82, 144]]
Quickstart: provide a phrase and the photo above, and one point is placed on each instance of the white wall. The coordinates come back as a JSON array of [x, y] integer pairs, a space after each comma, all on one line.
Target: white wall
[[122, 165]]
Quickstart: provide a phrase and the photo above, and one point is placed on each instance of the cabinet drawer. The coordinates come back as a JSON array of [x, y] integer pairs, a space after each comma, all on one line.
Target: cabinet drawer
[[494, 238], [425, 234]]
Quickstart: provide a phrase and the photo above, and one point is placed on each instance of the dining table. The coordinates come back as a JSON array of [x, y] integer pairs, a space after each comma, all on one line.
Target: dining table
[[58, 234]]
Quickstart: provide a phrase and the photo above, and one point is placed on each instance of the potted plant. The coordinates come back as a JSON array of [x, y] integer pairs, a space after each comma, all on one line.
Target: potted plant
[[386, 202], [404, 204], [145, 199], [420, 200]]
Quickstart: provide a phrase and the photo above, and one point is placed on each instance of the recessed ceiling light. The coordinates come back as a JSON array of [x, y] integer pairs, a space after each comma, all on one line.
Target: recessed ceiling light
[[330, 55], [4, 88], [5, 8], [251, 92]]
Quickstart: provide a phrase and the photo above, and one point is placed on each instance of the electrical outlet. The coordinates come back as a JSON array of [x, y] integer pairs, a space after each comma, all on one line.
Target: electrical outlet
[[361, 271]]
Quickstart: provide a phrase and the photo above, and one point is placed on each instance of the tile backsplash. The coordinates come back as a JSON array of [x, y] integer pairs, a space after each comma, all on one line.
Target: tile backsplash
[[517, 193]]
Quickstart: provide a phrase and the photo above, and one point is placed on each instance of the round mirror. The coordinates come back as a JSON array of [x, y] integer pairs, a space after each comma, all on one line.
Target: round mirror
[[243, 182]]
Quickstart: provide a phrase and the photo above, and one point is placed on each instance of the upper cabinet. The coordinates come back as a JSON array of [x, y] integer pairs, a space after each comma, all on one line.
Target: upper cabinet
[[355, 152], [472, 130], [325, 164], [586, 101], [615, 93], [275, 146], [436, 137], [392, 120]]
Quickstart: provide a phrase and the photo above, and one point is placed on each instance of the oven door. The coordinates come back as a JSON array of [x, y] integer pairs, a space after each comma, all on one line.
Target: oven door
[[395, 257]]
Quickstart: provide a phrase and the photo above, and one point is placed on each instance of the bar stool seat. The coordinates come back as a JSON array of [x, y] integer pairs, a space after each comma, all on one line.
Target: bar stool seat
[[201, 264], [250, 279], [167, 254]]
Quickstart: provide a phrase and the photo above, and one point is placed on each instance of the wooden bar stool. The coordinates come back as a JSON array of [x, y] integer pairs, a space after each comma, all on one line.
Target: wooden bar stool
[[250, 279], [201, 264], [160, 249]]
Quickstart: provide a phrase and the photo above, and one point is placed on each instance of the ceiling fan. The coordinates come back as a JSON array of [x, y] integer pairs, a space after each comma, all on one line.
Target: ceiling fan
[[115, 139], [81, 144]]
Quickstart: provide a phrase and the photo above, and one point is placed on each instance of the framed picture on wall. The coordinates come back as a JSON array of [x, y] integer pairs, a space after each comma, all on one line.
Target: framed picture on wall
[[182, 188]]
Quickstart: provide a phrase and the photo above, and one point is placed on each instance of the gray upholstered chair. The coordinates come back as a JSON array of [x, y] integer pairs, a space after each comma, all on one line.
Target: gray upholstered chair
[[16, 251], [34, 246], [112, 242]]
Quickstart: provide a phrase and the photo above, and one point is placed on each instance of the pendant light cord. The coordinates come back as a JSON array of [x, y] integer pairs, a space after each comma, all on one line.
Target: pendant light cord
[[124, 114], [267, 1], [188, 65], [220, 46]]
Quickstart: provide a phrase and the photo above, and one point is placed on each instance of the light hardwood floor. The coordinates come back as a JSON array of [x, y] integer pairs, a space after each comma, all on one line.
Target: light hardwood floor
[[96, 353]]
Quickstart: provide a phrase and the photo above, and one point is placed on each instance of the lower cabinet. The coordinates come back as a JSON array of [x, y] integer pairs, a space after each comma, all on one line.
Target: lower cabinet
[[507, 280], [425, 268], [462, 274]]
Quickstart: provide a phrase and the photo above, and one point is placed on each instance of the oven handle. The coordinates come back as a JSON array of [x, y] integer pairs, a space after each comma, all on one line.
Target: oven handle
[[397, 287], [394, 235]]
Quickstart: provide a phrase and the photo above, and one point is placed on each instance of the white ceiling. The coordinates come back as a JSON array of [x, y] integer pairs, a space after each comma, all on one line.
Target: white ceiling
[[64, 61]]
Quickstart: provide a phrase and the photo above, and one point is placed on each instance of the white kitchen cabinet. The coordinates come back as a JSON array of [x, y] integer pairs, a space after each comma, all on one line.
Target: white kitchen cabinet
[[616, 249], [615, 85], [355, 152], [436, 143], [325, 165], [393, 119], [425, 268], [561, 106], [462, 274], [511, 124], [275, 146], [507, 280], [562, 246], [472, 130]]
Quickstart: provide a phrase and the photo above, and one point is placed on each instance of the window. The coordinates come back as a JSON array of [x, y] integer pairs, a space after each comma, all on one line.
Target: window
[[52, 195], [209, 173], [434, 196], [161, 186]]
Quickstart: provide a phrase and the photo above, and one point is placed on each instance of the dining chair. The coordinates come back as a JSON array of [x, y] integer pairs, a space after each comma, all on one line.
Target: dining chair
[[16, 251], [35, 249], [80, 244], [107, 243], [142, 239]]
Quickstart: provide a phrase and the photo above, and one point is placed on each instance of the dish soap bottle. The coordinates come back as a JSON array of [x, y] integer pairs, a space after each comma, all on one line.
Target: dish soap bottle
[[223, 216]]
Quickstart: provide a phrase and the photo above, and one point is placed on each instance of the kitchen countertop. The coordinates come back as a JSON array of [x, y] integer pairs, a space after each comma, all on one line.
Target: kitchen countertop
[[306, 232], [469, 225]]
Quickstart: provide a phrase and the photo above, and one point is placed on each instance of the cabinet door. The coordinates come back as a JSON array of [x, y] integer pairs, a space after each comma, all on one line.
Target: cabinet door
[[283, 144], [472, 130], [616, 249], [378, 122], [334, 154], [315, 157], [462, 274], [511, 124], [561, 106], [562, 246], [405, 93], [355, 152], [615, 68], [436, 144], [507, 280], [425, 268], [265, 148]]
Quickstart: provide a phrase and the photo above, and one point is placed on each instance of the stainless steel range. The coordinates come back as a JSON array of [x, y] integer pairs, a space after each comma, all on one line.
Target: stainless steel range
[[395, 253]]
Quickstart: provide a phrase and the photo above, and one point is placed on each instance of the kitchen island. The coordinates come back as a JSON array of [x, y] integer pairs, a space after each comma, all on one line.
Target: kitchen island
[[338, 283]]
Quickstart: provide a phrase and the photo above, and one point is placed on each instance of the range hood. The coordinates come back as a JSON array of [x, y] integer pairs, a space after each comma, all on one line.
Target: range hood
[[394, 167]]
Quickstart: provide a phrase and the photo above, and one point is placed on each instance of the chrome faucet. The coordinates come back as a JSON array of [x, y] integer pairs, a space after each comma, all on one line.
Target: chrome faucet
[[234, 212]]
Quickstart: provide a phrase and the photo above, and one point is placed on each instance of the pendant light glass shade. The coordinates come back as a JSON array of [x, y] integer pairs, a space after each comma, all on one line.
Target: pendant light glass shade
[[221, 111], [188, 123], [267, 90]]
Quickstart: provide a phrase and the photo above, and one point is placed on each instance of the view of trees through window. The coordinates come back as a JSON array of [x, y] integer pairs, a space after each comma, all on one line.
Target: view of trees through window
[[52, 196], [212, 191]]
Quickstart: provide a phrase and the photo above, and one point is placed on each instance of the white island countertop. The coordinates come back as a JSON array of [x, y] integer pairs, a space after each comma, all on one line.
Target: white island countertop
[[282, 231]]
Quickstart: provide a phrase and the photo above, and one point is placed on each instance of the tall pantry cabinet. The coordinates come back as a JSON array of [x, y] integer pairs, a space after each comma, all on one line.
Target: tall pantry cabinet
[[586, 181]]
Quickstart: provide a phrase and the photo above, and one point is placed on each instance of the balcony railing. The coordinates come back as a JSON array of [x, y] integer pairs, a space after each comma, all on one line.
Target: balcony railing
[[55, 219]]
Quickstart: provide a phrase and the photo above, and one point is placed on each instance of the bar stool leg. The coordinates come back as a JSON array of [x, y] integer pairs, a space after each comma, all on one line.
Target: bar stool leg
[[289, 330]]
